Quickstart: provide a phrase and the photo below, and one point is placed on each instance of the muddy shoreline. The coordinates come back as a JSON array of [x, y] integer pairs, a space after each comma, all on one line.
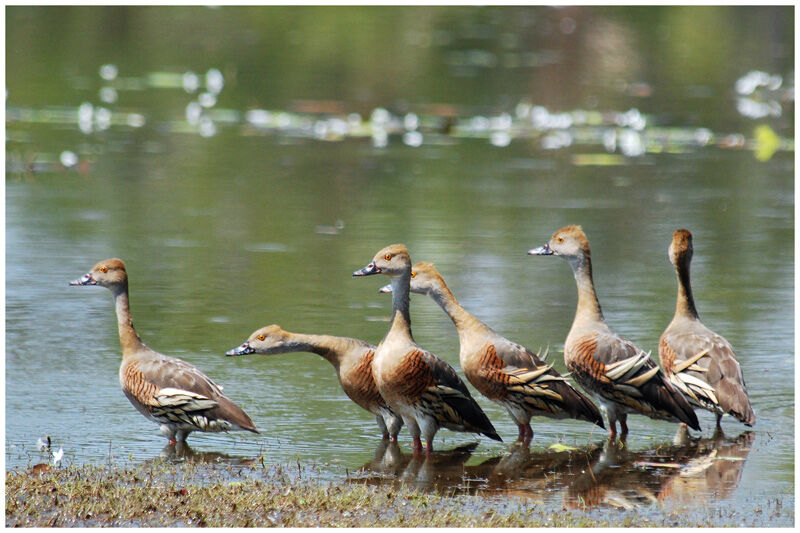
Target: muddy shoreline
[[165, 493]]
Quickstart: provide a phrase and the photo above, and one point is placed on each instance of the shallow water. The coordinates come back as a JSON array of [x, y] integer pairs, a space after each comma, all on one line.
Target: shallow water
[[235, 220]]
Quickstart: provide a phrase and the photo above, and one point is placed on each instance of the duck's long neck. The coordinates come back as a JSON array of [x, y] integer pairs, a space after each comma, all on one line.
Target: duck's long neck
[[128, 339], [684, 307], [460, 316], [588, 305], [329, 347], [401, 317]]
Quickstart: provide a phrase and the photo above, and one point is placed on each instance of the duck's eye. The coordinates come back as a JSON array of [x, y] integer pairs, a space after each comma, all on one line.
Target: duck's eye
[[387, 256], [413, 274], [261, 337], [103, 269], [560, 240]]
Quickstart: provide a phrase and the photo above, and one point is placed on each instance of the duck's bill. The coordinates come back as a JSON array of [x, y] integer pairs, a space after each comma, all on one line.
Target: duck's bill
[[541, 250], [368, 270], [86, 279], [386, 289], [242, 349]]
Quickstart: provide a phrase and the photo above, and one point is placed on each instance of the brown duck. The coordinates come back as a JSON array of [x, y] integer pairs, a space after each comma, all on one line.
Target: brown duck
[[621, 376], [502, 370], [166, 390], [352, 359], [700, 363], [423, 389]]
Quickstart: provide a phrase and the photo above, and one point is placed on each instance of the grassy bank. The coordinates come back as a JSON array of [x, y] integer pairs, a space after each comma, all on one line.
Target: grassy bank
[[169, 494]]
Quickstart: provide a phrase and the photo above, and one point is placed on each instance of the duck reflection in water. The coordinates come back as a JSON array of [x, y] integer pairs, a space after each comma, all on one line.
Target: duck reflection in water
[[607, 474], [692, 470], [182, 452], [441, 470]]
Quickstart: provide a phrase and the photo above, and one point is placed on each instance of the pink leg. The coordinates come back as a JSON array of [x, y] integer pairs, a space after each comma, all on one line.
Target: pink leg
[[393, 438], [417, 446], [172, 442], [528, 432], [623, 425], [385, 436], [522, 432], [429, 449]]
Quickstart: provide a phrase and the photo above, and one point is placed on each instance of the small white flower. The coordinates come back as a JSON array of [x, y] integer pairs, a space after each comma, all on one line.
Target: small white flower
[[108, 71], [43, 443], [57, 456], [190, 82], [214, 81], [68, 159]]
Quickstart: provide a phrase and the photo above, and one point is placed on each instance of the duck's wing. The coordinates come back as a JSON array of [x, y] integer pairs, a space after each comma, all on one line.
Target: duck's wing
[[621, 372], [433, 385], [704, 367], [511, 372], [177, 392]]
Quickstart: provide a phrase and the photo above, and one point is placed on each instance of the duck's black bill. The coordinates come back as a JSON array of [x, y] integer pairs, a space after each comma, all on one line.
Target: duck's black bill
[[86, 279], [368, 270], [541, 250], [243, 349]]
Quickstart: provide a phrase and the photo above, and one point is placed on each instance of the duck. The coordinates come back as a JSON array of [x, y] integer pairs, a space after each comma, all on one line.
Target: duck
[[168, 391], [505, 372], [352, 359], [697, 361], [622, 377], [422, 388]]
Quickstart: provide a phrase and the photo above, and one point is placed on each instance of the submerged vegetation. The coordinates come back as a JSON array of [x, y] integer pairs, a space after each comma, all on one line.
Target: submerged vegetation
[[163, 493]]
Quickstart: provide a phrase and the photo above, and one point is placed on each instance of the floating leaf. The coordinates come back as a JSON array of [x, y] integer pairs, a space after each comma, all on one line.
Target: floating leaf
[[767, 142], [558, 447], [600, 160]]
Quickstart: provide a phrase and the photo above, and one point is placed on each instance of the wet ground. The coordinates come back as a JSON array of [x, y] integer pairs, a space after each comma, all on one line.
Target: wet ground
[[683, 484]]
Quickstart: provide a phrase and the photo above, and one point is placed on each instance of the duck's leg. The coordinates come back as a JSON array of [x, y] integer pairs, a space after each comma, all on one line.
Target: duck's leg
[[413, 428], [528, 432], [429, 447], [428, 426], [181, 434], [393, 424], [522, 432], [169, 433], [417, 445], [612, 423], [382, 426], [719, 419], [623, 424]]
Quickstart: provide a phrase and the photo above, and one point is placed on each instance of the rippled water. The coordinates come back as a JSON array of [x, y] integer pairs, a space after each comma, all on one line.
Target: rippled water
[[255, 222]]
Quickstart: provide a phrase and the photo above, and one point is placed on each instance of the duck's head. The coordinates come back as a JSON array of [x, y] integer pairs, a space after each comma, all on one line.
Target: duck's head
[[680, 249], [267, 340], [569, 242], [109, 273], [392, 261], [424, 279]]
